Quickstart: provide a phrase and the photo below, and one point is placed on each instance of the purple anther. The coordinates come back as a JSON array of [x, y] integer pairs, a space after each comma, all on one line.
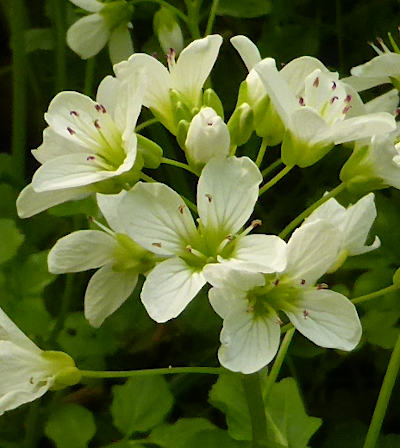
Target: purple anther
[[71, 131], [333, 85], [316, 82], [301, 101], [74, 113], [346, 109], [347, 99], [96, 124], [90, 158], [333, 99]]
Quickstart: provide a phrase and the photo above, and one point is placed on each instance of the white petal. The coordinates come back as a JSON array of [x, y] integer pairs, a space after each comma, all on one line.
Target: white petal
[[308, 126], [383, 66], [248, 343], [30, 202], [297, 70], [156, 217], [76, 170], [331, 211], [381, 154], [259, 253], [276, 86], [226, 194], [356, 128], [11, 333], [388, 102], [107, 93], [169, 288], [360, 83], [327, 318], [194, 65], [88, 35], [357, 224], [120, 44], [247, 49], [311, 251], [80, 251], [108, 204], [54, 145], [106, 292], [89, 5]]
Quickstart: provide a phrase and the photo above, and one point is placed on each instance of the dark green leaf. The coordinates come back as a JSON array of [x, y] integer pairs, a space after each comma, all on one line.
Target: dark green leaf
[[244, 9]]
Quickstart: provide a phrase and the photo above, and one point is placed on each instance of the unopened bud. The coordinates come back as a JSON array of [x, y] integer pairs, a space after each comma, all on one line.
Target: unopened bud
[[207, 137], [150, 151], [211, 99], [240, 124], [168, 30]]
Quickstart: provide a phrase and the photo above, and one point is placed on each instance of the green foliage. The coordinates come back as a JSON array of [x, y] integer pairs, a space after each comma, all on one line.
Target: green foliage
[[10, 239], [70, 425], [140, 404], [248, 9]]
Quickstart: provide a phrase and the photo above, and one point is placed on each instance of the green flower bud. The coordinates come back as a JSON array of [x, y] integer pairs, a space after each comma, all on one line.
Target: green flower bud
[[150, 151], [116, 13], [241, 124], [183, 127], [168, 31], [211, 99]]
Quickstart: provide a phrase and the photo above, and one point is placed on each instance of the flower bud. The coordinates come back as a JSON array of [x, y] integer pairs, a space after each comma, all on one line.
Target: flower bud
[[208, 136], [168, 30], [116, 13], [150, 151], [211, 99], [240, 124]]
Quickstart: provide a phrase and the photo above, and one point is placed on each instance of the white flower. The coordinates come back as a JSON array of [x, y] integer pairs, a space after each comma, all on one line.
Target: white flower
[[88, 146], [109, 22], [156, 217], [26, 371], [250, 303], [120, 260], [352, 223], [207, 137], [185, 77], [319, 117]]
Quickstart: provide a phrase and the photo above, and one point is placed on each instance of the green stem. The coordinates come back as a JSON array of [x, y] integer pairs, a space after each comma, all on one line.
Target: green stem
[[146, 123], [373, 295], [271, 167], [191, 205], [178, 164], [211, 17], [273, 375], [32, 434], [172, 8], [17, 24], [58, 13], [146, 178], [89, 76], [293, 224], [384, 397], [274, 180], [254, 397], [261, 152], [148, 372], [286, 328]]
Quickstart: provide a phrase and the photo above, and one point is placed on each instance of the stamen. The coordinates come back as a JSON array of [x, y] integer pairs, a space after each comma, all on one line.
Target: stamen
[[256, 223], [322, 286], [303, 282], [100, 108], [181, 209], [347, 99], [346, 109], [155, 55], [250, 308], [209, 197], [301, 101], [397, 111], [74, 113], [333, 85], [279, 321], [101, 226], [96, 124], [276, 282], [31, 380], [90, 158], [306, 314], [316, 82], [156, 244], [195, 252], [333, 99], [224, 243], [71, 131]]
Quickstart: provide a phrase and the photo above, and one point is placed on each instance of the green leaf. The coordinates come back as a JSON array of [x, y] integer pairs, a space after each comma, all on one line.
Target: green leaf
[[396, 277], [140, 404], [10, 239], [244, 9], [379, 327], [126, 444], [215, 438], [33, 275], [178, 434], [70, 425], [39, 39]]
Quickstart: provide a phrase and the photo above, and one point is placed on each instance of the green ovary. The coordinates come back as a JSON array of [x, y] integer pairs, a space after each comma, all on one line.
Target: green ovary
[[129, 255]]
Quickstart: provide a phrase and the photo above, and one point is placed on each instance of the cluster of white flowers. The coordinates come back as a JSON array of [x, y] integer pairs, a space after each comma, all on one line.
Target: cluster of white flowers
[[258, 282]]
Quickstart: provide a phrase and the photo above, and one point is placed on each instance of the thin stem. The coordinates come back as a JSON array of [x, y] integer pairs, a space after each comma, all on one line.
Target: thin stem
[[211, 17], [89, 76], [191, 205], [17, 24], [32, 434], [384, 397], [148, 372], [178, 164], [261, 152], [286, 328], [254, 397], [296, 221], [273, 374], [58, 12], [271, 167], [147, 178], [373, 295], [146, 123], [172, 8], [274, 180]]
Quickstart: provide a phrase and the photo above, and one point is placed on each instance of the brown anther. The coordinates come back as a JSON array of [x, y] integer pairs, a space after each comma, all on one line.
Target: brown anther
[[90, 158], [398, 111], [156, 244], [301, 101], [31, 380], [250, 308], [346, 109], [97, 107], [90, 218], [103, 109], [276, 282], [155, 55], [316, 82], [333, 99], [100, 108], [256, 223], [96, 124], [303, 282], [181, 209], [333, 85], [279, 321], [305, 314], [74, 113], [210, 123], [229, 237], [347, 99], [282, 64], [322, 286], [71, 131], [209, 197], [189, 248]]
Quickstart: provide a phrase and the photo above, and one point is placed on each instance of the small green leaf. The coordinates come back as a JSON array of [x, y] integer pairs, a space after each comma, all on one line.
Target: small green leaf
[[33, 275], [245, 10], [396, 277], [178, 434], [32, 316], [10, 239], [140, 404], [215, 438], [39, 39], [70, 425]]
